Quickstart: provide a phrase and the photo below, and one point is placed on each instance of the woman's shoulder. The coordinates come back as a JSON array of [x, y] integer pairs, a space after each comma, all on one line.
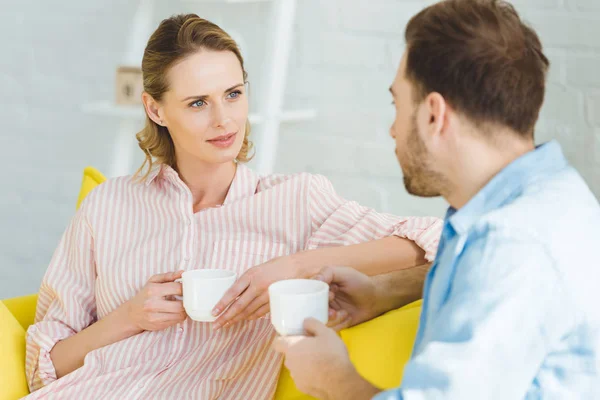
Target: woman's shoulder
[[111, 190], [298, 180]]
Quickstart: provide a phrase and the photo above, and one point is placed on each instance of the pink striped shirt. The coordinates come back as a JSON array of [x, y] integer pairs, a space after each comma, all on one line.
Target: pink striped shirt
[[125, 232]]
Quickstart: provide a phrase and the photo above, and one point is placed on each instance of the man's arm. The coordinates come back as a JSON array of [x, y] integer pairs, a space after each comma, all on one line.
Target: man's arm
[[399, 288]]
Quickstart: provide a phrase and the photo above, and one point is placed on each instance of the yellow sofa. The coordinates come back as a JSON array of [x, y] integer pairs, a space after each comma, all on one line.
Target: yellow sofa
[[379, 348]]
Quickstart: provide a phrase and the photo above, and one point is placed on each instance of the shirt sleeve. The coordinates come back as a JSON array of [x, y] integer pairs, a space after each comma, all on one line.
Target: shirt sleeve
[[339, 222], [506, 308], [66, 302]]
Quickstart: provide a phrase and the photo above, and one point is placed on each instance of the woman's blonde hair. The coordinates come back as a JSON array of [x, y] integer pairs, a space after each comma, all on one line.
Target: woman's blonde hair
[[174, 39]]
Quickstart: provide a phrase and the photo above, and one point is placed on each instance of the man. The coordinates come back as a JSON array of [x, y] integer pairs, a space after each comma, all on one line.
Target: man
[[510, 305]]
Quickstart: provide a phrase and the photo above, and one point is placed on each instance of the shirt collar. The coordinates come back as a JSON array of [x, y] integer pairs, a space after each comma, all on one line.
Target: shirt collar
[[542, 161], [244, 184], [154, 172]]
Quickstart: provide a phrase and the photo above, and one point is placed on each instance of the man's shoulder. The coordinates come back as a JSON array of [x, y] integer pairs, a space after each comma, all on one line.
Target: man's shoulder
[[554, 224], [554, 209]]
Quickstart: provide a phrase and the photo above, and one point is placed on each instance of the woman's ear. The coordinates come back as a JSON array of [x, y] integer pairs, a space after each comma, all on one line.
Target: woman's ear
[[153, 109]]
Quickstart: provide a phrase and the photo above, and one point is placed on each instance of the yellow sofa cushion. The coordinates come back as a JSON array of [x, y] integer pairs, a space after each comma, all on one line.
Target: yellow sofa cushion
[[380, 348], [13, 383]]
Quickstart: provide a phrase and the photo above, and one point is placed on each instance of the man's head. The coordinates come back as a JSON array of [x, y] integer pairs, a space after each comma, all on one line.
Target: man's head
[[472, 70]]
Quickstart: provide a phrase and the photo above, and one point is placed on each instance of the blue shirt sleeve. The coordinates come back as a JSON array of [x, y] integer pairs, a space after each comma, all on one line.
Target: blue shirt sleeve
[[505, 308]]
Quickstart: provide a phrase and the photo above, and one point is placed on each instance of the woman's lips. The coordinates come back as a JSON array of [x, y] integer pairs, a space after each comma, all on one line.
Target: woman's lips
[[223, 141]]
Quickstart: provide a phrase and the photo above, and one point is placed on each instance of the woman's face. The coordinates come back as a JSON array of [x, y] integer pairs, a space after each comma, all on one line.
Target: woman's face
[[206, 107]]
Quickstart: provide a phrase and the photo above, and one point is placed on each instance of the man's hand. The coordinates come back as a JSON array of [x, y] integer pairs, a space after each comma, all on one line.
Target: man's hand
[[320, 366], [353, 296], [356, 298]]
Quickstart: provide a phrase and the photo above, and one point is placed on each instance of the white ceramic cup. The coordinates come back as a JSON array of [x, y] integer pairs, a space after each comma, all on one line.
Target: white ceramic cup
[[202, 290], [294, 300]]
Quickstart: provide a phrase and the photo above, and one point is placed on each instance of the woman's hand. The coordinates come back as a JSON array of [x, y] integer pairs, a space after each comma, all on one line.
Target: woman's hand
[[151, 309], [248, 298]]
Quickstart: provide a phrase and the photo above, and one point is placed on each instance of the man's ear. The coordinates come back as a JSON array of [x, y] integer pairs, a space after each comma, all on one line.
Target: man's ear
[[436, 108]]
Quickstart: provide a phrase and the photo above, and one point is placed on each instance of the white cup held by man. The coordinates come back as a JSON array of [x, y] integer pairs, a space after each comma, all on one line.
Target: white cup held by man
[[292, 301], [202, 290]]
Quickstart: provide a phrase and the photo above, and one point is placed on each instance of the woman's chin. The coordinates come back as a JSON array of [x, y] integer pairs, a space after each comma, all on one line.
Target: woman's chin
[[223, 156]]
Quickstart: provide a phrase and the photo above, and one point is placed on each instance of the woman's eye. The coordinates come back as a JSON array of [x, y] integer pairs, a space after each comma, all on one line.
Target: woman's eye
[[235, 94], [198, 103]]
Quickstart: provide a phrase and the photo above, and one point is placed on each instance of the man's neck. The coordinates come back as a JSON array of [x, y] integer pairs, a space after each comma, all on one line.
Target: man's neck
[[479, 162]]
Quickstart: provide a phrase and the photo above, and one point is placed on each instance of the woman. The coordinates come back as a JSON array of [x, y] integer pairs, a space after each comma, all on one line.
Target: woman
[[107, 323]]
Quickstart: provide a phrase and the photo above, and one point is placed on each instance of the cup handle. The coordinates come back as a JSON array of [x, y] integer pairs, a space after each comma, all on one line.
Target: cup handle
[[180, 298]]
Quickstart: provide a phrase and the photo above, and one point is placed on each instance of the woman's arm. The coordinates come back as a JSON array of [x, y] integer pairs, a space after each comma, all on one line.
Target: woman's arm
[[372, 258], [66, 327], [68, 354], [66, 301], [358, 231], [342, 233], [148, 310]]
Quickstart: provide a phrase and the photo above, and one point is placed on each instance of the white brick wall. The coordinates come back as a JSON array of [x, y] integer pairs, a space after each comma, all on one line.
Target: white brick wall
[[58, 55], [353, 87]]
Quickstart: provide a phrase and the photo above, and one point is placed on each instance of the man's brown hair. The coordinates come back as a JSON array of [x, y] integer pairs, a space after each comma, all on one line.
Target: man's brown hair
[[481, 58]]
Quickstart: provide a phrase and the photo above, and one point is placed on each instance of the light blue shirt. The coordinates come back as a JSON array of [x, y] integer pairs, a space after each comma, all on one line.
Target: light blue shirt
[[512, 303]]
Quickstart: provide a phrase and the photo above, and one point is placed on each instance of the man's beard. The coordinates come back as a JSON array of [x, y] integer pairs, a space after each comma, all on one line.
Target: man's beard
[[419, 177]]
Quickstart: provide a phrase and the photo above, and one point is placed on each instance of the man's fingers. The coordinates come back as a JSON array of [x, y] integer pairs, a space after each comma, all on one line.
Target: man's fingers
[[166, 277], [315, 327], [325, 275], [282, 344], [232, 293], [346, 323], [336, 317], [331, 296]]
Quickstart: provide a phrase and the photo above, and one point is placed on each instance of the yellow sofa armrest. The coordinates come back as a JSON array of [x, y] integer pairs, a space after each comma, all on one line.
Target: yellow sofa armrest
[[91, 178], [379, 349], [22, 308], [13, 382]]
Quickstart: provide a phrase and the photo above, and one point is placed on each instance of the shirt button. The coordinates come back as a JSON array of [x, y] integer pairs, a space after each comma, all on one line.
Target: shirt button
[[180, 329], [186, 258], [141, 385], [189, 222]]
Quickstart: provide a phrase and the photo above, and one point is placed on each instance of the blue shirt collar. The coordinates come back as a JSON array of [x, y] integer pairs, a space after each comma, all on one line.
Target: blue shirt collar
[[544, 160]]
